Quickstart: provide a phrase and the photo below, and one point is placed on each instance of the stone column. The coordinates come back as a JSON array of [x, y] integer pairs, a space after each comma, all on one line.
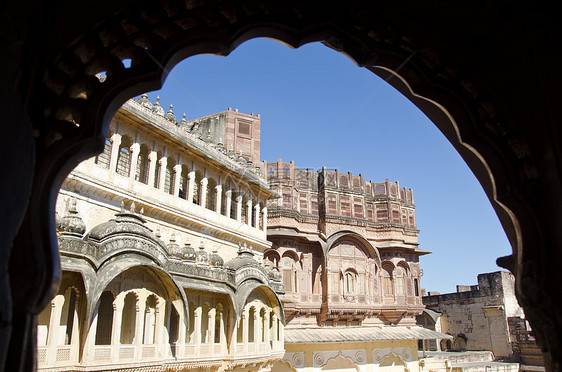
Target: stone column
[[274, 332], [257, 327], [266, 330], [153, 157], [197, 331], [190, 186], [159, 341], [116, 327], [218, 190], [203, 195], [222, 333], [211, 330], [90, 344], [182, 324], [54, 325], [264, 213], [239, 208], [177, 179], [257, 216], [75, 341], [139, 326], [162, 182], [115, 143], [245, 328], [135, 149], [228, 203], [248, 212]]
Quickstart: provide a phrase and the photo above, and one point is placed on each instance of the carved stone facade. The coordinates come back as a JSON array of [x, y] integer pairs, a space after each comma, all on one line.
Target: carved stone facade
[[161, 238], [348, 254]]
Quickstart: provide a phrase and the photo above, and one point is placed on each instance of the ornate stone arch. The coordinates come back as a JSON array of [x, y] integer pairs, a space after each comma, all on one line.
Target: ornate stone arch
[[109, 272], [440, 76], [370, 250]]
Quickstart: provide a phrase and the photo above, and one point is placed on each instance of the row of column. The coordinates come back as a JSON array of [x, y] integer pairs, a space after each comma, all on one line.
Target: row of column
[[140, 329], [135, 149], [53, 336]]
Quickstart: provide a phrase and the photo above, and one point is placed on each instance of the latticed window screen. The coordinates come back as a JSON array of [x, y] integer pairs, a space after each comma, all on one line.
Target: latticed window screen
[[103, 159], [123, 162]]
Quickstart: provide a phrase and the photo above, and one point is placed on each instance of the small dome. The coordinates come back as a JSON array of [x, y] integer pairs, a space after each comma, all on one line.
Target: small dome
[[215, 260], [144, 101], [173, 248], [171, 117], [188, 253], [245, 258], [276, 275], [71, 224], [156, 108], [124, 223], [202, 255]]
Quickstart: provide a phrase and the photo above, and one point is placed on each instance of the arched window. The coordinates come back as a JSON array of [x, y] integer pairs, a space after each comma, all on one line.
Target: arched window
[[149, 320], [253, 215], [157, 170], [129, 319], [244, 209], [68, 314], [191, 325], [205, 323], [105, 319], [387, 280], [218, 321], [174, 323], [399, 281], [143, 164], [234, 204], [43, 323], [184, 181], [240, 330], [103, 159], [251, 324], [197, 190], [350, 282], [170, 175], [211, 194], [124, 156], [225, 188], [288, 272]]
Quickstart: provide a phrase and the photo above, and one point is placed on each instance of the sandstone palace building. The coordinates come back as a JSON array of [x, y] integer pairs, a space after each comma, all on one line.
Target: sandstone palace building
[[348, 254], [180, 250]]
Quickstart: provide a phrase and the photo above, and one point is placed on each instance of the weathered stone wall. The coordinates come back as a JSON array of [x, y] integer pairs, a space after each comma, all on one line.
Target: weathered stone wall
[[479, 315]]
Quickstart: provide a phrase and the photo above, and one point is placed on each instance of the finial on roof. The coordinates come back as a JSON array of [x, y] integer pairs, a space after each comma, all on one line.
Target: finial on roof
[[132, 208], [122, 206], [142, 211], [72, 224], [156, 108], [144, 101], [171, 117]]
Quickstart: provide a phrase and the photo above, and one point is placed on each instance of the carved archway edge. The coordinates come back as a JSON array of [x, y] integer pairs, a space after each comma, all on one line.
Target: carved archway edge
[[77, 107]]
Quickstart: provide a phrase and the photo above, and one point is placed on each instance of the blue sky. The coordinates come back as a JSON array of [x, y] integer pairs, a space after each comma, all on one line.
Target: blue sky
[[319, 109]]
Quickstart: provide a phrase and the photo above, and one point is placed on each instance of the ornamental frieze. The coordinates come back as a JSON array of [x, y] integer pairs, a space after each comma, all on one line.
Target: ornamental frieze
[[251, 272]]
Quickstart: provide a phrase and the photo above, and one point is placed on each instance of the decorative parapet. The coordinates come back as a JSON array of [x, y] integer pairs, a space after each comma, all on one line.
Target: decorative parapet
[[183, 132], [309, 196]]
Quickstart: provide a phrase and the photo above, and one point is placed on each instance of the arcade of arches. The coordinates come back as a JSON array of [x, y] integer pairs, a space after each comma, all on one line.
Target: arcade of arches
[[485, 74]]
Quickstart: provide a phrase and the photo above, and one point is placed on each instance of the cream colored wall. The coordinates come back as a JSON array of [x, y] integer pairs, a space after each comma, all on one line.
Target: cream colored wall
[[362, 356]]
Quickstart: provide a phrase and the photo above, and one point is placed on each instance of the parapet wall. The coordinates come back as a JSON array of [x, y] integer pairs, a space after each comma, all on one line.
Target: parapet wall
[[333, 194]]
